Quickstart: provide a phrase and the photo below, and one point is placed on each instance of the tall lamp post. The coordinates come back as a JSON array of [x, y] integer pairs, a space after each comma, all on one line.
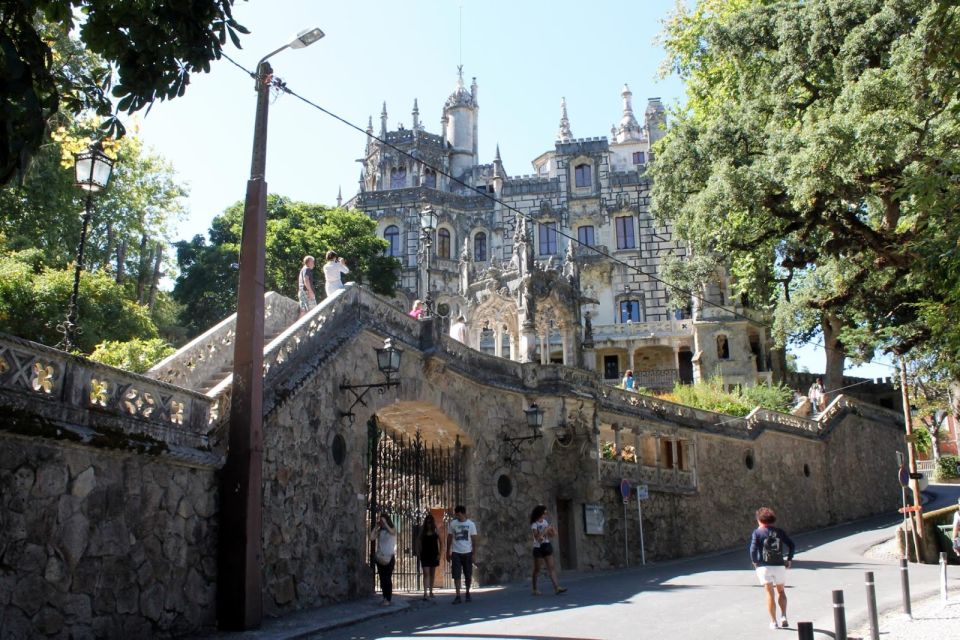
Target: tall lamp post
[[428, 223], [93, 169], [239, 601]]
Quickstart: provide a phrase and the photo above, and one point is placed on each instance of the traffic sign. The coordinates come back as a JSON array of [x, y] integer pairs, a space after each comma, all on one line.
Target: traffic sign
[[643, 491], [904, 476], [625, 489], [913, 509]]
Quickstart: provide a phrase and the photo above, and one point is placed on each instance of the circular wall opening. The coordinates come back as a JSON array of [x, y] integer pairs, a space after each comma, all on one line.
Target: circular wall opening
[[748, 460], [338, 448], [806, 470], [504, 486]]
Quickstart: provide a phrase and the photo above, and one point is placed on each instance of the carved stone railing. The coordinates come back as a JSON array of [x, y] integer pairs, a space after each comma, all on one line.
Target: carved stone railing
[[193, 364], [763, 418], [643, 330], [658, 478], [59, 395]]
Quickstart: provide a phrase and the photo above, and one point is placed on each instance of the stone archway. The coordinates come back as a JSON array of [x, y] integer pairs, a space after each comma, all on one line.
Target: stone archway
[[416, 467], [497, 315]]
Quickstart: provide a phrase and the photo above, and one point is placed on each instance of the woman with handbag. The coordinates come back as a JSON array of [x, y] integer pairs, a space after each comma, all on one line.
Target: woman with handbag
[[543, 548], [385, 535]]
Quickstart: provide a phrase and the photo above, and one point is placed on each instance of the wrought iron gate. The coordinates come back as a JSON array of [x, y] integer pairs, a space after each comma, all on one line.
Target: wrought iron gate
[[409, 479]]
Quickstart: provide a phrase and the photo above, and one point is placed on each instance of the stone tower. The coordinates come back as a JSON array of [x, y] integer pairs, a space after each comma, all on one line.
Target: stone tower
[[460, 116]]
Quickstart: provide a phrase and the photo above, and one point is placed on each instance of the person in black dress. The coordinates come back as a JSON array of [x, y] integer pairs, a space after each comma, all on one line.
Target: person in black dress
[[429, 554]]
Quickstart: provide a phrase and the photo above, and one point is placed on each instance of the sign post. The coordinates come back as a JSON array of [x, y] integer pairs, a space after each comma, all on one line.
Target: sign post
[[643, 492], [625, 492]]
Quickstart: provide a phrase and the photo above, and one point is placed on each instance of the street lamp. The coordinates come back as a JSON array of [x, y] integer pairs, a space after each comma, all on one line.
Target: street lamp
[[240, 553], [534, 416], [428, 224], [93, 169], [388, 362]]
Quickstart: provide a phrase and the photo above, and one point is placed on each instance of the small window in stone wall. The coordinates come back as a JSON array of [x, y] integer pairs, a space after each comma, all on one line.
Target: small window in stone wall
[[338, 449], [504, 486], [806, 470], [748, 460]]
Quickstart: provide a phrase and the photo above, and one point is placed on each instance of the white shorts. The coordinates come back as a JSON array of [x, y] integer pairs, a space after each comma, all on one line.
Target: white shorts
[[772, 575]]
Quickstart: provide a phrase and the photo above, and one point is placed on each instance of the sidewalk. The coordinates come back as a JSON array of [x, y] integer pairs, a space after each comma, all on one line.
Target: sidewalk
[[932, 620]]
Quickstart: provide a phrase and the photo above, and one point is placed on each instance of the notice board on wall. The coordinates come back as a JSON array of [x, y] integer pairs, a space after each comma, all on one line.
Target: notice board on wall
[[593, 519]]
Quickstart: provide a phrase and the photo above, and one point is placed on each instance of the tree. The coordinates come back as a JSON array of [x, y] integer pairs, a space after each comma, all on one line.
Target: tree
[[819, 145], [33, 302], [207, 285], [147, 51]]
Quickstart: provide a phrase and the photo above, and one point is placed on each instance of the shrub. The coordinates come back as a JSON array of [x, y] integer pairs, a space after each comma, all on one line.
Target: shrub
[[946, 468], [711, 396], [133, 355]]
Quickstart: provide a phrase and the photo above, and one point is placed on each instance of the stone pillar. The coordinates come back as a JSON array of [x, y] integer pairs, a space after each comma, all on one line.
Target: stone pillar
[[676, 466], [498, 345], [545, 348], [527, 345], [630, 351], [589, 359], [565, 340], [514, 347], [658, 446]]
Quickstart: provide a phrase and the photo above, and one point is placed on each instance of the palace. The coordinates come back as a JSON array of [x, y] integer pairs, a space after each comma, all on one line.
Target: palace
[[527, 290]]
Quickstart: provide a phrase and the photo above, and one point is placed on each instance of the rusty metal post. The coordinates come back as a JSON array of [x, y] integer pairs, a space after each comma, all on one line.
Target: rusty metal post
[[239, 584], [911, 460]]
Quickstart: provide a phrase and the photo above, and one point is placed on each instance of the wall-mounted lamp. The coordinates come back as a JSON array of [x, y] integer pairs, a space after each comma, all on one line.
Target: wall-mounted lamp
[[534, 416], [388, 362]]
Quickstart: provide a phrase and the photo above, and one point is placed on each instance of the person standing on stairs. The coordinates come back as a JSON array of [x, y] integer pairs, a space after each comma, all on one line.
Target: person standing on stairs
[[332, 270]]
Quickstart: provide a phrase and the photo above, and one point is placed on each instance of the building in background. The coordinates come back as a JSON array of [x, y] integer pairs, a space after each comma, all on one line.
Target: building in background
[[576, 279]]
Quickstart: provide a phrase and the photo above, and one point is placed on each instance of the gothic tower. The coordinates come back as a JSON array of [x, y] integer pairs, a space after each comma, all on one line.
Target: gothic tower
[[460, 116]]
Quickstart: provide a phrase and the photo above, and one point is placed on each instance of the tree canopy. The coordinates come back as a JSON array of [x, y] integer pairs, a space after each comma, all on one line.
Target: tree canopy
[[818, 157], [207, 285], [137, 52]]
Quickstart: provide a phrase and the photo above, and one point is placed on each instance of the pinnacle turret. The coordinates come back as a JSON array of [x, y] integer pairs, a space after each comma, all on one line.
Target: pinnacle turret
[[564, 135]]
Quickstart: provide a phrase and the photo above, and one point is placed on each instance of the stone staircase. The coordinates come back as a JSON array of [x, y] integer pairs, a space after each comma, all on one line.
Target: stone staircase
[[224, 372]]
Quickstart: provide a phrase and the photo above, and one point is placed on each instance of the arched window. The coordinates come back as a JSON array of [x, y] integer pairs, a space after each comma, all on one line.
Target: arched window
[[430, 178], [548, 238], [392, 235], [583, 174], [480, 247], [443, 244], [398, 178]]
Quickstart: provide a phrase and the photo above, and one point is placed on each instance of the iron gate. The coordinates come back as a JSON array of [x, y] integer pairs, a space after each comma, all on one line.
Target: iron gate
[[409, 479]]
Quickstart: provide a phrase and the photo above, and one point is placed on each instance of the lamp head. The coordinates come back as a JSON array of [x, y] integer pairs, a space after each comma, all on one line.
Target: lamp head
[[306, 38], [93, 168], [534, 417], [428, 219]]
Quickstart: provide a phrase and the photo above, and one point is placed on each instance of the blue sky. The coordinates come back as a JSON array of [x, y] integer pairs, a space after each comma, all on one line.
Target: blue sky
[[524, 55]]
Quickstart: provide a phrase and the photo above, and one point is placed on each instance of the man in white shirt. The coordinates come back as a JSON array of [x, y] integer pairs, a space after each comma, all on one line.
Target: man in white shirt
[[460, 536], [458, 330]]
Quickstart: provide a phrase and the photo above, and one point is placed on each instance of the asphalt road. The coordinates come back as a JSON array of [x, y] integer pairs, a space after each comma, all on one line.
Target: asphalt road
[[711, 597]]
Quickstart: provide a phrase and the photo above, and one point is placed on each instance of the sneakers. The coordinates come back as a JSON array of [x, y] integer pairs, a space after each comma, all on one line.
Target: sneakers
[[467, 598], [456, 600], [535, 592], [773, 625], [561, 590], [783, 622]]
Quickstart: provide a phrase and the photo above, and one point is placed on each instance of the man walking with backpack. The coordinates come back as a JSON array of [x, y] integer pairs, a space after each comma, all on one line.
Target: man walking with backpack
[[771, 551]]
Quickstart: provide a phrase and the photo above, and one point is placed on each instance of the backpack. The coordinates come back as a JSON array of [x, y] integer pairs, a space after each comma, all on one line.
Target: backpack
[[772, 548]]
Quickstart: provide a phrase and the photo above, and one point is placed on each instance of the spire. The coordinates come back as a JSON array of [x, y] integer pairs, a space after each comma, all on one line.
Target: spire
[[369, 132], [498, 164], [416, 115], [473, 89], [383, 120], [339, 197], [629, 127], [564, 135]]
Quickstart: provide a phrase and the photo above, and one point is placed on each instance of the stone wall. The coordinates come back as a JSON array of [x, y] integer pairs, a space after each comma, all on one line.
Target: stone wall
[[103, 544]]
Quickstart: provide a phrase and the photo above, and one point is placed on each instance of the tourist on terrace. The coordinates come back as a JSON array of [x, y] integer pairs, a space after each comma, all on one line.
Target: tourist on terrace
[[458, 330], [816, 396], [332, 270], [418, 309], [627, 382], [305, 292]]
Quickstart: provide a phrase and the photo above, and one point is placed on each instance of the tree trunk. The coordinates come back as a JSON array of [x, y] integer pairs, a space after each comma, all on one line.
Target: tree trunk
[[109, 249], [155, 280], [142, 270], [835, 356], [121, 261], [778, 364]]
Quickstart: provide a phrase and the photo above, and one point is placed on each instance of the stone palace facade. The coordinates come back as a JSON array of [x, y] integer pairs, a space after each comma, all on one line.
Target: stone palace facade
[[576, 279]]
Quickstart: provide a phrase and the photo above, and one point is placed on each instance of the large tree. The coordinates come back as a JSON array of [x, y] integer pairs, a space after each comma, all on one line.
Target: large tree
[[207, 285], [819, 150], [143, 52]]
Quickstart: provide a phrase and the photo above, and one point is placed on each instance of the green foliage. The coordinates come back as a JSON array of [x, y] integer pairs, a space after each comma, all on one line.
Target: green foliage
[[711, 396], [921, 440], [33, 303], [818, 155], [208, 271], [946, 468], [133, 355], [136, 52]]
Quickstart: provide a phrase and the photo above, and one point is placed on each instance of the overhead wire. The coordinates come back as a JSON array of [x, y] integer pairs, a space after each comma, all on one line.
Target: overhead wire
[[280, 85]]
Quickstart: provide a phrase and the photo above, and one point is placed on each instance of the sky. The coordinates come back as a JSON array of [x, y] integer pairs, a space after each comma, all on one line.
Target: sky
[[525, 56]]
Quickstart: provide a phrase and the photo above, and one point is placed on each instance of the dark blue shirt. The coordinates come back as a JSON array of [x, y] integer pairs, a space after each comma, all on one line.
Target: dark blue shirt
[[756, 545]]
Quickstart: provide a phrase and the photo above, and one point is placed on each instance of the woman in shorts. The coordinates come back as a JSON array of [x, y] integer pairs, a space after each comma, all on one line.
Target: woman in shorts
[[543, 548]]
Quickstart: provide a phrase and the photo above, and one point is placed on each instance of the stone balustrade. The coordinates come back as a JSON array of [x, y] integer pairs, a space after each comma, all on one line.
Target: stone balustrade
[[208, 353], [643, 330], [657, 478], [69, 397]]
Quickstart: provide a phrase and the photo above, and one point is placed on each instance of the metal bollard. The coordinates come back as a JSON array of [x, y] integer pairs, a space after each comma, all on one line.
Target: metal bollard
[[839, 616], [943, 577], [905, 587], [804, 631], [872, 606]]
